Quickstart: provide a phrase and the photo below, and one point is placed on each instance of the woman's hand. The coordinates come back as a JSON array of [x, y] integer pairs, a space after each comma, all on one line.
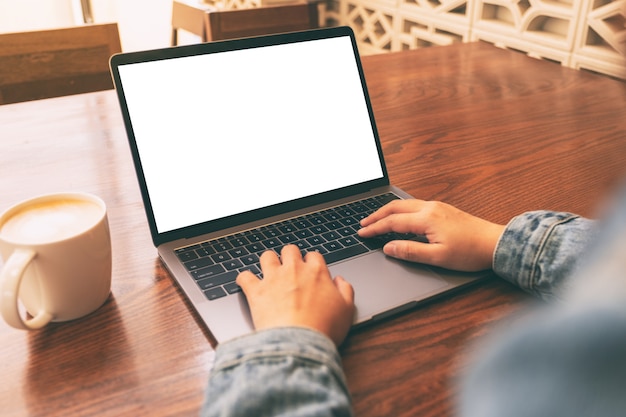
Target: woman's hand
[[457, 239], [298, 291]]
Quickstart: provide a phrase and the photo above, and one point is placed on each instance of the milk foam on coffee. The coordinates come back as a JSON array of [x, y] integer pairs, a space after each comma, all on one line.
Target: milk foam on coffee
[[51, 221]]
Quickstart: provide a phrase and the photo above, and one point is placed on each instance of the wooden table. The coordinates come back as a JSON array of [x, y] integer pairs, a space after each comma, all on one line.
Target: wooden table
[[491, 131]]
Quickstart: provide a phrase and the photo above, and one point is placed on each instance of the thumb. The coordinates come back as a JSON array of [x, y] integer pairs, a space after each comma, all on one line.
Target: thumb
[[345, 289]]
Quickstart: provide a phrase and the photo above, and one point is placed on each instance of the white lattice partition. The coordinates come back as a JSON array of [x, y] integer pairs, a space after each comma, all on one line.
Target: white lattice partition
[[423, 23], [393, 25], [413, 31], [588, 34], [458, 12], [601, 41], [372, 22], [545, 29]]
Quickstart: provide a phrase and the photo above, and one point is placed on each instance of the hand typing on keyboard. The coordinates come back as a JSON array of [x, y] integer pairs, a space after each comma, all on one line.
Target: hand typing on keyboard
[[297, 291], [331, 232], [456, 239]]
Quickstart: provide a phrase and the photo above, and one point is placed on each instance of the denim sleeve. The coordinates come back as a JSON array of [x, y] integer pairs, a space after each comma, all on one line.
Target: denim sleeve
[[283, 371], [561, 359], [539, 250]]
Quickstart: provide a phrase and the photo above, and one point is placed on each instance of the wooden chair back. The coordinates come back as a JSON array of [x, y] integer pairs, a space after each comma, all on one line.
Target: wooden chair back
[[266, 20], [58, 62]]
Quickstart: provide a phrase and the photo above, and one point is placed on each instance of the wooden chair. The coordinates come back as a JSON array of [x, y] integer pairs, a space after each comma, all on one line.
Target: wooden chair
[[189, 16], [240, 23], [58, 62]]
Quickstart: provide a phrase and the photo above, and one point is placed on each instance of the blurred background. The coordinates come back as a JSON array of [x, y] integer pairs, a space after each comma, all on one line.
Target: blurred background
[[143, 24]]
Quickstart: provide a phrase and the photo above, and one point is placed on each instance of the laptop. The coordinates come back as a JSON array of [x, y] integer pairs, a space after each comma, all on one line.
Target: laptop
[[246, 145]]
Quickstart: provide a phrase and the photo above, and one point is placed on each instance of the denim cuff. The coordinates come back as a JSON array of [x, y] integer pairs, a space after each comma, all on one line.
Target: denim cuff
[[301, 342], [292, 371], [538, 250]]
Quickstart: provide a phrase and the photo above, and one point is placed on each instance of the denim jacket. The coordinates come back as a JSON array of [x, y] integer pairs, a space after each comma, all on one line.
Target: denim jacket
[[297, 372]]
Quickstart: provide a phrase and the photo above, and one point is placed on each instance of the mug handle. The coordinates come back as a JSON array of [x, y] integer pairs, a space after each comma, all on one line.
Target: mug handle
[[10, 278]]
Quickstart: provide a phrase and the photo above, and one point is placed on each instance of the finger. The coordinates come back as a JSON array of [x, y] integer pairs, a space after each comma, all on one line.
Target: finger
[[247, 281], [345, 289], [396, 206], [411, 222], [314, 257], [269, 259], [290, 254], [426, 253]]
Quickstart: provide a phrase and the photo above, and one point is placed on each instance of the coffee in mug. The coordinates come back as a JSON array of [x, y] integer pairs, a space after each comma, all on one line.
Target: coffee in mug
[[57, 258]]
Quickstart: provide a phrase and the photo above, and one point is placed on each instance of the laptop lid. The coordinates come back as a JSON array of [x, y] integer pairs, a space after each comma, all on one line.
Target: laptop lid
[[213, 126]]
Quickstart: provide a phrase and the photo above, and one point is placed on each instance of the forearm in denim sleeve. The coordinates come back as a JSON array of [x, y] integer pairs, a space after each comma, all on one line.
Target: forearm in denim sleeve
[[283, 371], [539, 250]]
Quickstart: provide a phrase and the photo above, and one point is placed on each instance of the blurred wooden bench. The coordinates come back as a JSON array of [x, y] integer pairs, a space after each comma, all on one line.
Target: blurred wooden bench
[[59, 62], [241, 23], [191, 16]]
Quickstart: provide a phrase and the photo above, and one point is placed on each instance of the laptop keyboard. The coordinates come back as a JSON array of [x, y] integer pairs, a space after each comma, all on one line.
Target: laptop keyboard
[[215, 264]]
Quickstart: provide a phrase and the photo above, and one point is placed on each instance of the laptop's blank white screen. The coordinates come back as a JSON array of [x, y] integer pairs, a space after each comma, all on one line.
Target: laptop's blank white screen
[[226, 133]]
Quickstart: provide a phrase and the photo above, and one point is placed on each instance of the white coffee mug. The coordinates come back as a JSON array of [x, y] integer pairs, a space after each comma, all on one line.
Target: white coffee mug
[[57, 259]]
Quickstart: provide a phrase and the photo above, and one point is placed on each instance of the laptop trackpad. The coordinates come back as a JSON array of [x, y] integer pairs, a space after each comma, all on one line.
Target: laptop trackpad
[[382, 283]]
